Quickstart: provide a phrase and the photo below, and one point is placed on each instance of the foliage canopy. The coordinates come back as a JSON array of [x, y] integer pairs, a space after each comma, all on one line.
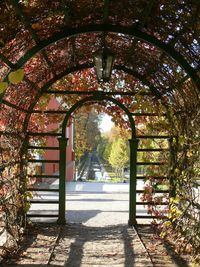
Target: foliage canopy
[[156, 68]]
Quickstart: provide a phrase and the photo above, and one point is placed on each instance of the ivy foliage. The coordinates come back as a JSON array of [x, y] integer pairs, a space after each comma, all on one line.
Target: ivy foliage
[[153, 64]]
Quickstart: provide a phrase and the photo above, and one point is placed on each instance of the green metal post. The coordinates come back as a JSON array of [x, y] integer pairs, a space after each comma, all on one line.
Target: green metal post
[[23, 174], [133, 181], [62, 179], [172, 159]]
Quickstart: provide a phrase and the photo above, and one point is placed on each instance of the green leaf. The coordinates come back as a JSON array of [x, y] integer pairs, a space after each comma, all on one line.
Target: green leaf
[[16, 77], [3, 86]]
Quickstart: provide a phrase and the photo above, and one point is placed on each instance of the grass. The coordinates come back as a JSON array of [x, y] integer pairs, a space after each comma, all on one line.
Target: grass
[[113, 175]]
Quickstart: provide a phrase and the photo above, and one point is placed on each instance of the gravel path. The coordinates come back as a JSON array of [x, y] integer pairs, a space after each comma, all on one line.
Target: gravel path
[[76, 245], [85, 246], [97, 209], [96, 235], [89, 208]]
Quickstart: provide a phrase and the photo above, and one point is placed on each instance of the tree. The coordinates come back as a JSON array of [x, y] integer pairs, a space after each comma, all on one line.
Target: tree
[[104, 148], [87, 133], [119, 155]]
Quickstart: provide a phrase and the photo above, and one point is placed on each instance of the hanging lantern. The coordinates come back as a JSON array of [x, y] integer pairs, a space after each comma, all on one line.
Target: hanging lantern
[[103, 63]]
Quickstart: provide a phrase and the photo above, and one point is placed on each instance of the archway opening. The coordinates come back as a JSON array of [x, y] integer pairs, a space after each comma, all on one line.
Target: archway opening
[[149, 162], [133, 157]]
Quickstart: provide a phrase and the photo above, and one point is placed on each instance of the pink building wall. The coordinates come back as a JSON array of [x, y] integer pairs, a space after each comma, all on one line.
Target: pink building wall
[[53, 168]]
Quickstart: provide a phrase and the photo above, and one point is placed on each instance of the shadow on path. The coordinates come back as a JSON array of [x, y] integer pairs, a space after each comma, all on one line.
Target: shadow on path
[[79, 245], [161, 252]]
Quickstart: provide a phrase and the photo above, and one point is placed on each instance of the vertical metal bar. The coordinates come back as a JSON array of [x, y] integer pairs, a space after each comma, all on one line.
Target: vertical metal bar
[[73, 144], [23, 176], [62, 179], [133, 181], [172, 189]]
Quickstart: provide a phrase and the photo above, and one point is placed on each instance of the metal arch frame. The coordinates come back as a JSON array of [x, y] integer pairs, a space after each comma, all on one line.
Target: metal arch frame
[[98, 96], [132, 31], [76, 68], [137, 33], [82, 67]]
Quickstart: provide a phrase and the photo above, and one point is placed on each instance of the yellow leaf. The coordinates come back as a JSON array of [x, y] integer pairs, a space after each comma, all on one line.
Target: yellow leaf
[[3, 86], [16, 77]]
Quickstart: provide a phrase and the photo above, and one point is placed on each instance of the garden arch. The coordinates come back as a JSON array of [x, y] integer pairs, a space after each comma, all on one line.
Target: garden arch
[[98, 96], [82, 67], [50, 36]]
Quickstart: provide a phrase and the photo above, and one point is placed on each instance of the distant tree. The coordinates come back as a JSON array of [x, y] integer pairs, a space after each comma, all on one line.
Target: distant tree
[[87, 133], [104, 148], [107, 151], [93, 133], [101, 146], [119, 155]]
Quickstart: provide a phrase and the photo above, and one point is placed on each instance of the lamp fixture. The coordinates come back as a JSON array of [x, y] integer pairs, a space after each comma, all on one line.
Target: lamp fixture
[[103, 63]]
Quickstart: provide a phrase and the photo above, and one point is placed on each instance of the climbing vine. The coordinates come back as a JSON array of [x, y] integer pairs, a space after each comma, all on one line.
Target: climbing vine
[[11, 201], [144, 67], [181, 219]]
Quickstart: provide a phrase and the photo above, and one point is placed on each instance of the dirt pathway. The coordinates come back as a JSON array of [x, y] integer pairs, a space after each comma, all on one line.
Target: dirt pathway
[[77, 245], [97, 235], [94, 246]]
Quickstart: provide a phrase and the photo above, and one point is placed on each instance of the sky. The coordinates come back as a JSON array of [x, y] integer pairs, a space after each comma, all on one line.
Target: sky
[[106, 123]]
